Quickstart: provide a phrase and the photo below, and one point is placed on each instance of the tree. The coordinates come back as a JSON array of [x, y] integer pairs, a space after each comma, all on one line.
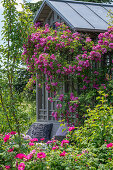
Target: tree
[[15, 32], [34, 7]]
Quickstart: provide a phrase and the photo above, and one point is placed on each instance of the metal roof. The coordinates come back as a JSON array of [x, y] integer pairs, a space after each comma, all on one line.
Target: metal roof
[[81, 16]]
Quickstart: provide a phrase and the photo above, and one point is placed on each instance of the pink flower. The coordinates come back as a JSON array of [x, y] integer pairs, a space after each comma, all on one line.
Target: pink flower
[[54, 141], [63, 153], [21, 166], [42, 139], [109, 145], [41, 155], [55, 147], [111, 45], [31, 144], [61, 98], [6, 138], [29, 156], [71, 128], [11, 150], [88, 39], [7, 167], [34, 140], [79, 154], [49, 141], [13, 133], [33, 151], [20, 156], [63, 142], [57, 24]]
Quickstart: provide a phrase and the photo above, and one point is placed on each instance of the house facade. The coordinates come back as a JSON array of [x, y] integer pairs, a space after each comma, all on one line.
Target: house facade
[[79, 16]]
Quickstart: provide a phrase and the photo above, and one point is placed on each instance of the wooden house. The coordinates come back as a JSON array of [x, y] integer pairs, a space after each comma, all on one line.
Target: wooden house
[[79, 16]]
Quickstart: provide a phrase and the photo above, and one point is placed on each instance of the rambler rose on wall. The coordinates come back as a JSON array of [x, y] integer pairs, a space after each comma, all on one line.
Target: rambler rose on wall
[[61, 56]]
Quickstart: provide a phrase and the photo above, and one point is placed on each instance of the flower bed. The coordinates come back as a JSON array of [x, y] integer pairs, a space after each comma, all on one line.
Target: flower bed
[[86, 147]]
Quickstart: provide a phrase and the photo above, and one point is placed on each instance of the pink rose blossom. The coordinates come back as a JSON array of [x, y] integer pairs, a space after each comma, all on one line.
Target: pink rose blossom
[[48, 142], [71, 128], [111, 45], [13, 133], [61, 98], [34, 140], [55, 147], [20, 156], [109, 145], [63, 142], [31, 144], [6, 138], [88, 39], [11, 149], [63, 153], [41, 155], [21, 166], [33, 151], [79, 154], [29, 156], [7, 167], [42, 139]]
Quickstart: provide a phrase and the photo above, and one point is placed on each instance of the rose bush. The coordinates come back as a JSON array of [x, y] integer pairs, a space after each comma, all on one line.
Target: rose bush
[[62, 57], [86, 147]]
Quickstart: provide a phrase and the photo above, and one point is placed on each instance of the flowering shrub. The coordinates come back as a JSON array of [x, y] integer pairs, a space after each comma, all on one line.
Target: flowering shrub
[[55, 154], [72, 58], [98, 126], [86, 147]]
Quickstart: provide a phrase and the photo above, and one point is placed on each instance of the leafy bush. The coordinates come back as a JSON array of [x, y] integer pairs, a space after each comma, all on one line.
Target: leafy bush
[[87, 147], [98, 126]]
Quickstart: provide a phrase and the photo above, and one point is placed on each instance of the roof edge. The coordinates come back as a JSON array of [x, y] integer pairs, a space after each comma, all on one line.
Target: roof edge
[[89, 30], [54, 9], [39, 11], [82, 2]]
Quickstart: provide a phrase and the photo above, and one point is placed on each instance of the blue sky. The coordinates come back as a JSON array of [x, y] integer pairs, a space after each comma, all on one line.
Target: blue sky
[[18, 7]]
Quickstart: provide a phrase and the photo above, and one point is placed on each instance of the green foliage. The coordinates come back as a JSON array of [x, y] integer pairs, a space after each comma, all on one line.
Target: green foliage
[[34, 7], [84, 148], [21, 80], [15, 32], [57, 155], [98, 126]]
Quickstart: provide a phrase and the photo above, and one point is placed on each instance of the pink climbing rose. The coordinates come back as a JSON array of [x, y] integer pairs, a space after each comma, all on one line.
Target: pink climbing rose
[[63, 153], [34, 140], [6, 138], [31, 144], [109, 145], [71, 128], [20, 156], [21, 166], [41, 155], [7, 167]]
